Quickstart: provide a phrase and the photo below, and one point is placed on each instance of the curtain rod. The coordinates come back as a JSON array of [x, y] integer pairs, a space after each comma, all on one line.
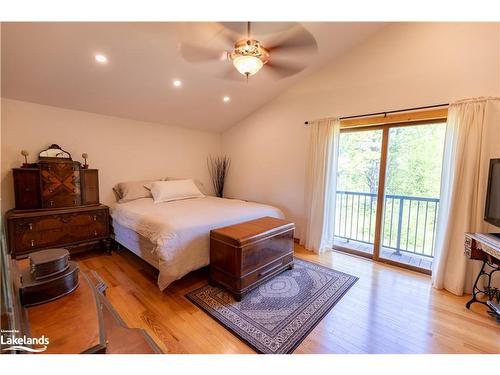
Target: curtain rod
[[386, 112]]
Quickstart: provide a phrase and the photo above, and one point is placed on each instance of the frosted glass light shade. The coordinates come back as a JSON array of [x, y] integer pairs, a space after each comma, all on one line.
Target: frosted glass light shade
[[247, 65]]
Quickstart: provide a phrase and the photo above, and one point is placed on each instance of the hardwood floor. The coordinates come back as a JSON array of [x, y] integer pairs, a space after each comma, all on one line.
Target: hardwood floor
[[389, 310]]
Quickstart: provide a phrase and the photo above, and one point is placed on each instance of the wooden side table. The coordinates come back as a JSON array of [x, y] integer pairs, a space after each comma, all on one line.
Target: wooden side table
[[85, 321], [486, 248]]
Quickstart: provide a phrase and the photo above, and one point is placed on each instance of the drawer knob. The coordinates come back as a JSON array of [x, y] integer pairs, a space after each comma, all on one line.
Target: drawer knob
[[51, 203], [94, 217], [95, 233], [32, 243], [30, 226], [74, 201]]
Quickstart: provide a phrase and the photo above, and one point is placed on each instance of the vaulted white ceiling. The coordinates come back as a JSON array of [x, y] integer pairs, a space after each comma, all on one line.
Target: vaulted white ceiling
[[53, 64]]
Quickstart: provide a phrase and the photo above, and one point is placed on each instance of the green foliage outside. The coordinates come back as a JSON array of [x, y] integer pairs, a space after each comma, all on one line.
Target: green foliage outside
[[414, 161], [413, 170]]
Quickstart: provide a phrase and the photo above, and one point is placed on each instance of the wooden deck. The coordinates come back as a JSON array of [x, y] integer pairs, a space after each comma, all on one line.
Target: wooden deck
[[386, 253]]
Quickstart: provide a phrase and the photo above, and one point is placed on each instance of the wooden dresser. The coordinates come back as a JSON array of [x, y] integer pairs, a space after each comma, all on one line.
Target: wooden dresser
[[76, 229], [57, 205]]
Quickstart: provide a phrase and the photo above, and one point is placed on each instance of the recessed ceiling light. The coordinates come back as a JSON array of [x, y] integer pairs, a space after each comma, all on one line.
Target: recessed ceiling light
[[226, 99], [101, 59], [177, 83]]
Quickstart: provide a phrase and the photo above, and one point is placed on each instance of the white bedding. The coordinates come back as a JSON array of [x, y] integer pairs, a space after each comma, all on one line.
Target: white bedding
[[180, 230]]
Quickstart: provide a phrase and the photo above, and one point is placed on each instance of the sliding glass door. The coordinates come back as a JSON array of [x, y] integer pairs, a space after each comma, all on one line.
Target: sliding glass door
[[411, 199], [388, 192], [357, 188]]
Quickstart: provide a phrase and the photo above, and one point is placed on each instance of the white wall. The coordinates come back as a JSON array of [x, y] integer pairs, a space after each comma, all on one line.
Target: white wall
[[403, 65], [121, 149]]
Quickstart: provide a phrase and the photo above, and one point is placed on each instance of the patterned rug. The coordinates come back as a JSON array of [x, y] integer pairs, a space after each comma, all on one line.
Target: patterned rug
[[275, 317]]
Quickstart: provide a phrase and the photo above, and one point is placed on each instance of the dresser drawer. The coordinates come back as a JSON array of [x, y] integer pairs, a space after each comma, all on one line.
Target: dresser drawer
[[57, 229], [60, 182], [62, 199]]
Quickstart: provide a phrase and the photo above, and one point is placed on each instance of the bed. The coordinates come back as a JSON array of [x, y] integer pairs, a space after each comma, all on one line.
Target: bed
[[174, 237]]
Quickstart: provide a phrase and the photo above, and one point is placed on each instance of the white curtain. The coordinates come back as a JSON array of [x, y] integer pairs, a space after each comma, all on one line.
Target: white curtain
[[472, 138], [321, 183]]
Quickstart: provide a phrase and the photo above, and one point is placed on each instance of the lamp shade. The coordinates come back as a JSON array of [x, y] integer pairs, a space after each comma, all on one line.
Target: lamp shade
[[247, 65]]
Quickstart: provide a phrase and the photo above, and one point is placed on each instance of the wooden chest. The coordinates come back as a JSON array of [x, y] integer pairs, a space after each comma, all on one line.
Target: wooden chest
[[73, 229], [47, 263], [34, 292], [242, 256]]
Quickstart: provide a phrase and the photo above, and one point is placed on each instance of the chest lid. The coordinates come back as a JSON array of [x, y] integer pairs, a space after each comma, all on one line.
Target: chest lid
[[46, 263], [251, 231]]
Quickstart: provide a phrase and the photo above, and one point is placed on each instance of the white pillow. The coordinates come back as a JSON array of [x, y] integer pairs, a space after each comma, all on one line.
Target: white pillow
[[148, 184], [131, 190], [167, 191], [198, 183]]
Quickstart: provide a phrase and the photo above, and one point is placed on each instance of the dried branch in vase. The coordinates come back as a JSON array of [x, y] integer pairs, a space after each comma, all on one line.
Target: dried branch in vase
[[218, 168]]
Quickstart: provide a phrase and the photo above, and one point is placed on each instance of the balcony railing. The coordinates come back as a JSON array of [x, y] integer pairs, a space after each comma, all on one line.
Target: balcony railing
[[408, 224]]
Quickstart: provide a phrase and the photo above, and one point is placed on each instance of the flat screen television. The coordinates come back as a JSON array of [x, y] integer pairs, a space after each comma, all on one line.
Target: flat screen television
[[492, 209]]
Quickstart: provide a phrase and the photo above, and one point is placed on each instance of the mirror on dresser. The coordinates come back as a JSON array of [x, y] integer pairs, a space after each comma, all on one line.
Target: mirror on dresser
[[54, 151]]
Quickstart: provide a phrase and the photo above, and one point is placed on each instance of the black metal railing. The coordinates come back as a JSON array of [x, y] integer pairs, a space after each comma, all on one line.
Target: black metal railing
[[408, 223]]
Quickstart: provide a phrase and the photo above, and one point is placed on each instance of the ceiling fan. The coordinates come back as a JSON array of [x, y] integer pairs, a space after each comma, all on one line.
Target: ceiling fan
[[285, 42]]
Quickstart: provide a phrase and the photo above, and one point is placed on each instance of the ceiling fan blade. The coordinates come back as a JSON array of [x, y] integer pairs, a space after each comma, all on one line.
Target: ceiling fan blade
[[296, 38], [225, 36], [283, 70], [197, 54]]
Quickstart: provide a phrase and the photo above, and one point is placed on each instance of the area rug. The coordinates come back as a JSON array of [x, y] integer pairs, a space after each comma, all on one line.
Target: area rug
[[275, 317]]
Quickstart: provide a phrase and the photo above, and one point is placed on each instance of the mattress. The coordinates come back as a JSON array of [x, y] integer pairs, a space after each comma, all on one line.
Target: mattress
[[175, 236], [136, 243]]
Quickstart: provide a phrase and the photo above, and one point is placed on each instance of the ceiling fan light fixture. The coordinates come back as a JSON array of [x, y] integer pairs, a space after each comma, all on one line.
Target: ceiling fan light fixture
[[248, 56], [247, 65]]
